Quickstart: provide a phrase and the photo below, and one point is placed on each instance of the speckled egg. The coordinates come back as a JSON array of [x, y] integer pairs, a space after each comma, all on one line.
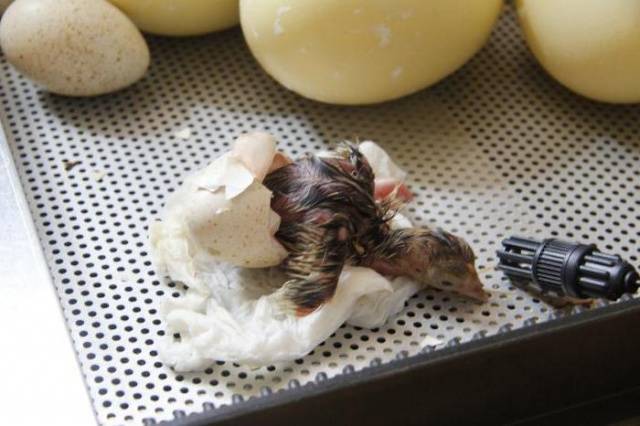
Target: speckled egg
[[73, 47]]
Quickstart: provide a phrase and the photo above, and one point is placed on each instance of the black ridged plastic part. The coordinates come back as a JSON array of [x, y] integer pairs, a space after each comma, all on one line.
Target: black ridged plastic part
[[548, 265], [565, 268]]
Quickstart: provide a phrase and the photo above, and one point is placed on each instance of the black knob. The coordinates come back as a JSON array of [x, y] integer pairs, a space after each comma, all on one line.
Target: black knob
[[567, 269]]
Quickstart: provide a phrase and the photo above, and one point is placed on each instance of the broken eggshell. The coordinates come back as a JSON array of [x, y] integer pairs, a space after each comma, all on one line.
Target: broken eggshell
[[219, 213], [382, 165], [389, 177]]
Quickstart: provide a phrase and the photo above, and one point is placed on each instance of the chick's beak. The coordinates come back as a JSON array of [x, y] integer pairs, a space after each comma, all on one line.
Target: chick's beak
[[472, 286]]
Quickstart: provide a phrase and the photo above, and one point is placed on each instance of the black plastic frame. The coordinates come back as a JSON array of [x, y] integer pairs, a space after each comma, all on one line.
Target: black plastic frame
[[493, 380]]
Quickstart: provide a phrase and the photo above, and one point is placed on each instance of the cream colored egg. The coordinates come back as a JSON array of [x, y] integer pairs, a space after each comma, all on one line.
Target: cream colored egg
[[73, 47], [590, 46], [181, 17], [363, 51], [4, 4]]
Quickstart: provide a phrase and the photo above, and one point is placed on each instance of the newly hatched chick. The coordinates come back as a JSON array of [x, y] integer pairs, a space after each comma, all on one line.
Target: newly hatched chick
[[330, 217]]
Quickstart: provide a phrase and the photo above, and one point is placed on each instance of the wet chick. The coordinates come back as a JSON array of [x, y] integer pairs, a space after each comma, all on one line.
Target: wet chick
[[330, 218]]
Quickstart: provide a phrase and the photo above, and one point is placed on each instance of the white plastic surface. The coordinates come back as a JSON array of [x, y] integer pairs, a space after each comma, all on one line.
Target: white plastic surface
[[37, 348]]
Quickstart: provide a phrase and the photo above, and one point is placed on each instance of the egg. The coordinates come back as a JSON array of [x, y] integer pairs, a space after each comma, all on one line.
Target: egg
[[4, 4], [362, 51], [181, 17], [590, 46], [73, 47]]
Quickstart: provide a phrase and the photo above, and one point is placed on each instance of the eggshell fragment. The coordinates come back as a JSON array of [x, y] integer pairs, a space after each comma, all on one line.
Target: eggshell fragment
[[220, 213], [279, 160], [73, 47], [389, 178], [256, 150], [381, 163], [232, 222], [239, 232]]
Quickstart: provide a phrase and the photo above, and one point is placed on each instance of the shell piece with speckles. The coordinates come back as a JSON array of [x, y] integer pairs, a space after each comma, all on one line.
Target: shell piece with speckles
[[220, 213]]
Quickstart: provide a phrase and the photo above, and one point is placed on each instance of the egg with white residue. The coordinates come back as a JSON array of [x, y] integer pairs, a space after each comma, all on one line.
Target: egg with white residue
[[73, 47], [181, 17], [363, 51]]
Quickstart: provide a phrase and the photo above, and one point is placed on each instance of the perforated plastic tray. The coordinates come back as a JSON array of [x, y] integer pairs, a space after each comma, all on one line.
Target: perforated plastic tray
[[496, 149]]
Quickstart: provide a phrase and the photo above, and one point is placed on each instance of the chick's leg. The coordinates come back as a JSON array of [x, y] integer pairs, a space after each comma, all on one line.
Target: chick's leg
[[315, 263]]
